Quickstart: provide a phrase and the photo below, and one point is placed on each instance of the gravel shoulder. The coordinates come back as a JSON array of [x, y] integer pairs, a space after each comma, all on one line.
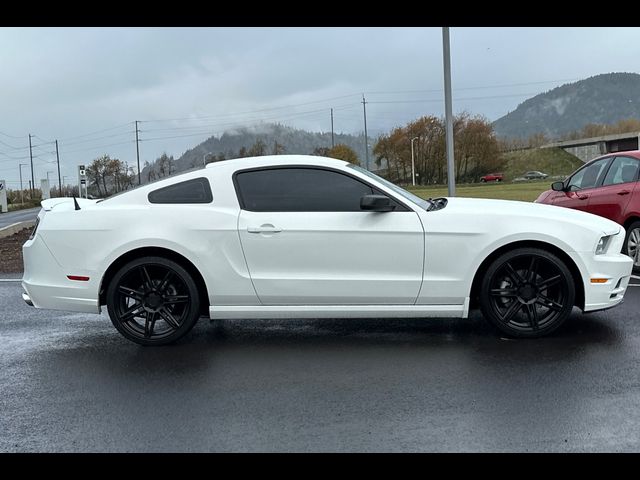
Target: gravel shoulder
[[11, 251]]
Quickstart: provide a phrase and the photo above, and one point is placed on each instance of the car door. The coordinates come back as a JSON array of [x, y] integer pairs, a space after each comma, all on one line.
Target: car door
[[610, 200], [579, 186], [306, 241]]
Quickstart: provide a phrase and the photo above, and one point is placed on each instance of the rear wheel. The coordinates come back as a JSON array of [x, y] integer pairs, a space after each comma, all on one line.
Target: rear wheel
[[631, 245], [527, 292], [153, 301]]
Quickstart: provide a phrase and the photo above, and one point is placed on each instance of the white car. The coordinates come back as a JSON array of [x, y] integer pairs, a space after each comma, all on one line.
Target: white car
[[297, 236]]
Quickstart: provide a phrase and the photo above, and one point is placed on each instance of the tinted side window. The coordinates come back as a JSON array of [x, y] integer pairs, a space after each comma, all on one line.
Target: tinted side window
[[622, 170], [300, 190], [589, 175], [197, 190]]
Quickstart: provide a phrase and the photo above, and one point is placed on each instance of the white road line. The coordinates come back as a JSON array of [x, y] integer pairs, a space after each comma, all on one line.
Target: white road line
[[635, 276], [10, 279], [634, 285]]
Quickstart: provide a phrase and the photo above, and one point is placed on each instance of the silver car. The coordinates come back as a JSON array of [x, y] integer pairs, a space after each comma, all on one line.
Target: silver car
[[535, 175]]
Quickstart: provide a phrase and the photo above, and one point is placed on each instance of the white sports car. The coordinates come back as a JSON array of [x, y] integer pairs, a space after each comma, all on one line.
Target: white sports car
[[298, 236]]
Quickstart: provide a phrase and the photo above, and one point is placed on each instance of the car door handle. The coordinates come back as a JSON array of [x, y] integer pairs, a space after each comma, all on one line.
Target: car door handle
[[265, 228], [584, 197], [624, 192]]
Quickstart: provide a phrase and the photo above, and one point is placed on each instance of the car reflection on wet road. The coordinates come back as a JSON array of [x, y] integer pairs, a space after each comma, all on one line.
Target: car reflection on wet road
[[70, 382]]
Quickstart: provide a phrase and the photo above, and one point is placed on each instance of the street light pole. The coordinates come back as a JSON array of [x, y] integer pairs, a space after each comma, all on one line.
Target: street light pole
[[446, 57], [413, 164]]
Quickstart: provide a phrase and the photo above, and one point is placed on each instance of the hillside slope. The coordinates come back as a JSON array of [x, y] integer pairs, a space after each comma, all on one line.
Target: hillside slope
[[552, 161], [605, 98]]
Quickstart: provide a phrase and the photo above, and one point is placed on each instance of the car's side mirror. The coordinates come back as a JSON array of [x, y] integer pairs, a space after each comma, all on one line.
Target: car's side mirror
[[376, 203], [557, 186]]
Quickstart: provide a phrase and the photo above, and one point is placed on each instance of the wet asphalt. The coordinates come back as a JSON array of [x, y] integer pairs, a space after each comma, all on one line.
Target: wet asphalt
[[70, 383]]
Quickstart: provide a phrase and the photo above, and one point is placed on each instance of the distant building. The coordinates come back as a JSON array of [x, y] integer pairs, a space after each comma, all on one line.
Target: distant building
[[588, 148]]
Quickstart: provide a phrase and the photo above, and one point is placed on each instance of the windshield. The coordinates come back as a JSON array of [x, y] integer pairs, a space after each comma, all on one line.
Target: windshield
[[400, 191]]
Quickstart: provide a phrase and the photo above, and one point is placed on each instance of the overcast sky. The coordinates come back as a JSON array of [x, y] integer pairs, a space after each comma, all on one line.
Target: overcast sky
[[86, 86]]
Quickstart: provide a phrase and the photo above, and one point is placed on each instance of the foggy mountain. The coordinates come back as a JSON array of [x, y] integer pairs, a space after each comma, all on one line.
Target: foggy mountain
[[605, 98]]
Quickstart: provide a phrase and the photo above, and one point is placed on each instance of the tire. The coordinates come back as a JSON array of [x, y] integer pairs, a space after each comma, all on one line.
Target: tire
[[527, 293], [482, 180], [498, 180], [633, 237], [139, 301]]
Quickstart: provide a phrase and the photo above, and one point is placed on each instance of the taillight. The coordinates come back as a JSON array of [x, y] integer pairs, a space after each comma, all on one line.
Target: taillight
[[35, 227]]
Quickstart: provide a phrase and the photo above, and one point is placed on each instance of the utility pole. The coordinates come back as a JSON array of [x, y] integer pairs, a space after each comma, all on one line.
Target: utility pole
[[59, 177], [33, 182], [366, 137], [332, 142], [138, 154], [446, 56]]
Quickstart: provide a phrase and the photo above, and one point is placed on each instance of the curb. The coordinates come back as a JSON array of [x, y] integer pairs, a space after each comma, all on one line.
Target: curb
[[15, 228]]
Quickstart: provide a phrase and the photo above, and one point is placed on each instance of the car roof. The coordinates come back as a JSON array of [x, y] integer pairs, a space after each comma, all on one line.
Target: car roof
[[627, 153], [277, 160]]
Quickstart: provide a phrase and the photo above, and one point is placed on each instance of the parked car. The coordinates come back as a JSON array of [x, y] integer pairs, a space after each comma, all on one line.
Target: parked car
[[294, 236], [535, 175], [492, 177], [605, 186]]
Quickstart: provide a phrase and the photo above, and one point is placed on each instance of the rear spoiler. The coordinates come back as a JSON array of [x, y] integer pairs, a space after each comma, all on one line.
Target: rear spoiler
[[66, 203]]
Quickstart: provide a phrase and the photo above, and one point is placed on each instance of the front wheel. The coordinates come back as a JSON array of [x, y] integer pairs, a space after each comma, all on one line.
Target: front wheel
[[527, 293], [153, 301], [482, 180], [631, 245]]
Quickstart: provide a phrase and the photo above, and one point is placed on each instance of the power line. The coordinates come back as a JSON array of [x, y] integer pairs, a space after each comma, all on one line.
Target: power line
[[210, 133], [11, 136], [95, 132], [12, 157], [95, 147], [12, 146], [483, 87], [427, 100], [88, 140], [44, 142], [251, 111], [204, 129]]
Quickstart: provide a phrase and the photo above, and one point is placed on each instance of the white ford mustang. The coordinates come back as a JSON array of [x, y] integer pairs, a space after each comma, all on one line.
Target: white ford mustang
[[310, 237]]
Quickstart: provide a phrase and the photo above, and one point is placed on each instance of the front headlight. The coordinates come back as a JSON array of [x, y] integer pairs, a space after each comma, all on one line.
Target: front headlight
[[603, 243]]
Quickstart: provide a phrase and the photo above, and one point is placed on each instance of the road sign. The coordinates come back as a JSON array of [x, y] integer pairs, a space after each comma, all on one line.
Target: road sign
[[82, 181], [3, 196]]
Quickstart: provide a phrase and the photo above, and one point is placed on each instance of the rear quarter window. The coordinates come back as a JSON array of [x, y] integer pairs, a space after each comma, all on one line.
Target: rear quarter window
[[197, 190]]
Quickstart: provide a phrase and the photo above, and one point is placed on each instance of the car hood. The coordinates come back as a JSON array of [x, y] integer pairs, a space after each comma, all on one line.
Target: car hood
[[499, 209]]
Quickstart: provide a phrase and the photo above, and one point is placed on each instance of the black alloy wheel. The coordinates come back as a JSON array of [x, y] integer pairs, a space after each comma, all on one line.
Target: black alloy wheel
[[527, 292], [153, 301]]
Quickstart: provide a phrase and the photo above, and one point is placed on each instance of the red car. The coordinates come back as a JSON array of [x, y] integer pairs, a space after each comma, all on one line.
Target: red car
[[606, 186], [492, 177]]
